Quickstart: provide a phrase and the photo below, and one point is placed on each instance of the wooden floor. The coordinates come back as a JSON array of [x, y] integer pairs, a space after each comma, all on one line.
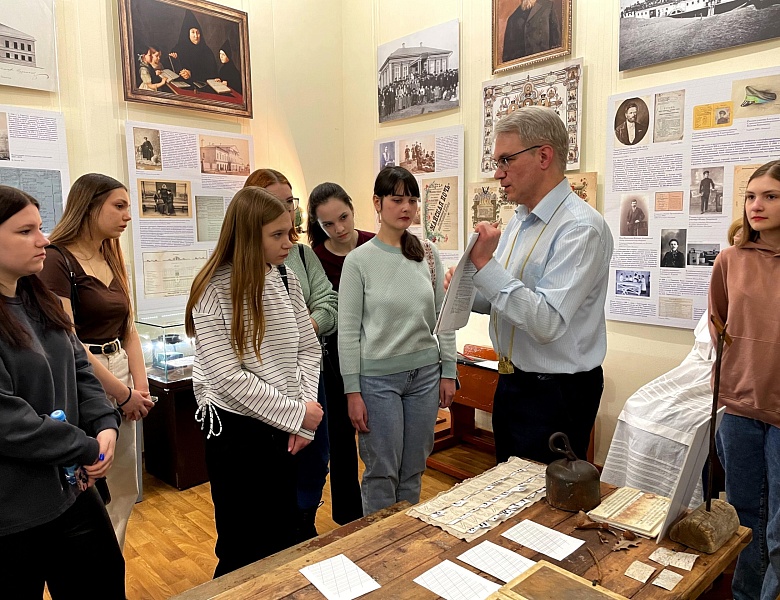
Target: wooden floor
[[171, 534]]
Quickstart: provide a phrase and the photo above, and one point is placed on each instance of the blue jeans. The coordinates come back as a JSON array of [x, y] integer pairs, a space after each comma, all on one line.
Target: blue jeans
[[402, 410], [313, 460], [750, 453]]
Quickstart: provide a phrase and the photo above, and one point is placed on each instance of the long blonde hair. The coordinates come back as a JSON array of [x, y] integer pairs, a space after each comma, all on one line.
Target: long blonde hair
[[85, 199], [240, 245]]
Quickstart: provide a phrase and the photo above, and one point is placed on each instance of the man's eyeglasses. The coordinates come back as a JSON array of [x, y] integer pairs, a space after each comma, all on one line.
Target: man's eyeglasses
[[292, 203], [503, 162]]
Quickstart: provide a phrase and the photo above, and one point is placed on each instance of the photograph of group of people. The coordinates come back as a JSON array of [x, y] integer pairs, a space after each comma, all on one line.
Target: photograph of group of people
[[418, 155]]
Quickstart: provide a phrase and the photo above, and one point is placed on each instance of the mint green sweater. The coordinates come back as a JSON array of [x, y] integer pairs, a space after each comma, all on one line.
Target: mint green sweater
[[387, 311]]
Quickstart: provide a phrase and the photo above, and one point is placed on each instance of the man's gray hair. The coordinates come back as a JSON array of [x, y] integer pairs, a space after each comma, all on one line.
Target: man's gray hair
[[538, 125]]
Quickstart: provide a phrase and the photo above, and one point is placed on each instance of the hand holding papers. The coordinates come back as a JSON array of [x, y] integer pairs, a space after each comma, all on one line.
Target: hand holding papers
[[459, 299]]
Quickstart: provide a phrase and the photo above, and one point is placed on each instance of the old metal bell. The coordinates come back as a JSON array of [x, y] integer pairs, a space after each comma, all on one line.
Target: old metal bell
[[572, 484]]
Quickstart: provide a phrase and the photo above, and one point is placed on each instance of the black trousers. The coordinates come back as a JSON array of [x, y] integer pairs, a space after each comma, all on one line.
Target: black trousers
[[344, 481], [529, 407], [253, 487], [76, 554]]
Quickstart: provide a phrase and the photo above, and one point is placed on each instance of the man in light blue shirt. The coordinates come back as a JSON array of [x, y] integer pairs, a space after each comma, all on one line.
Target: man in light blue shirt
[[544, 282]]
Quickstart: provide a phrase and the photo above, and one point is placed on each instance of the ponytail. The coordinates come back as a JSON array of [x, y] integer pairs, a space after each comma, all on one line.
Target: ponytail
[[411, 247]]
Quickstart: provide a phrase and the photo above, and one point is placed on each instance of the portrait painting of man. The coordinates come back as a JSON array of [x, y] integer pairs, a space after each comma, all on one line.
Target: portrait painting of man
[[528, 31]]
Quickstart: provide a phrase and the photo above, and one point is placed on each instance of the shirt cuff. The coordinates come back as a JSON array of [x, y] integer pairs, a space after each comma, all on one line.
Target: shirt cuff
[[351, 383], [306, 433], [449, 369], [491, 279]]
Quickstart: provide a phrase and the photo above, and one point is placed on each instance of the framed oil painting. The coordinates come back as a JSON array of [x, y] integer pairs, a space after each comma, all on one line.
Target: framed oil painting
[[190, 54], [530, 31]]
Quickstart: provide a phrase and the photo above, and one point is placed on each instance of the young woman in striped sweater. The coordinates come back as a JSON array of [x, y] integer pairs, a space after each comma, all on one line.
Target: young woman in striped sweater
[[256, 371]]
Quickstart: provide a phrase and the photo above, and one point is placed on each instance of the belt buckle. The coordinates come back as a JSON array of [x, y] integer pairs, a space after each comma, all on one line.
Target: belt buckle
[[111, 345]]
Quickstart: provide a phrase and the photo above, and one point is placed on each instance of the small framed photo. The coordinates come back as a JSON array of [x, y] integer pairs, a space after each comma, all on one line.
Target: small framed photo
[[530, 31], [190, 54]]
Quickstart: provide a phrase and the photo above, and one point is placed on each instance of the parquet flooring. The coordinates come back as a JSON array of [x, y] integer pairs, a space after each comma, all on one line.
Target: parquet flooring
[[171, 534]]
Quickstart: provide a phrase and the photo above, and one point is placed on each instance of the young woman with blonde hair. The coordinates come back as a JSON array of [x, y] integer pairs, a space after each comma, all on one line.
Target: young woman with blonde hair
[[322, 303], [86, 269], [255, 375]]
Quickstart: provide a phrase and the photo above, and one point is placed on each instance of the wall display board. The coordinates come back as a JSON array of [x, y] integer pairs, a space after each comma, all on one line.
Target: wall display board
[[418, 73], [435, 157], [181, 181], [559, 88], [655, 31], [34, 158], [678, 160], [28, 44]]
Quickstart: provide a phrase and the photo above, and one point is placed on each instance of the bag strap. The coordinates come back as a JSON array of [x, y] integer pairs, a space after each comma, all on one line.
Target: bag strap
[[283, 273], [74, 292], [431, 262], [303, 256]]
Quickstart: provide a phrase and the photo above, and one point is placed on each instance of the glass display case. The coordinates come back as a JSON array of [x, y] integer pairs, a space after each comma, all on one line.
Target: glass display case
[[168, 352]]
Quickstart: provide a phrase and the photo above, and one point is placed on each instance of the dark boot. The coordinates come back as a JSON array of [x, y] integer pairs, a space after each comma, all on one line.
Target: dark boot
[[306, 528]]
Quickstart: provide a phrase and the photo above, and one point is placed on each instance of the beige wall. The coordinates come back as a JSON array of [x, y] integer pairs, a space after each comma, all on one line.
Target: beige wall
[[314, 90], [636, 353]]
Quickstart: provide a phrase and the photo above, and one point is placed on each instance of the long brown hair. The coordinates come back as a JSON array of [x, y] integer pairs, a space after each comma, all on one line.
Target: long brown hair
[[30, 289], [772, 169], [85, 199], [397, 180], [266, 177], [240, 245]]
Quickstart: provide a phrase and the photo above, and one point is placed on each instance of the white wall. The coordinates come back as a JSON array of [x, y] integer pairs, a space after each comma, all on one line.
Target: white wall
[[636, 353]]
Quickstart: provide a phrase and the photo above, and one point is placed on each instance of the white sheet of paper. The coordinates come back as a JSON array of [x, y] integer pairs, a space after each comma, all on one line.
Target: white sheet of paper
[[640, 571], [456, 308], [453, 582], [338, 578], [683, 560], [662, 556], [496, 560], [667, 579], [542, 539]]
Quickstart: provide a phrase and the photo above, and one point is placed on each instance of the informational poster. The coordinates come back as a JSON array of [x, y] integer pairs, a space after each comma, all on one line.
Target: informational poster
[[28, 53], [559, 88], [436, 159], [678, 160], [181, 181], [34, 158]]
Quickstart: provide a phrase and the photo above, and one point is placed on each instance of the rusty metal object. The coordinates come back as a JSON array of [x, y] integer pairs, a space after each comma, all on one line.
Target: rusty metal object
[[572, 484]]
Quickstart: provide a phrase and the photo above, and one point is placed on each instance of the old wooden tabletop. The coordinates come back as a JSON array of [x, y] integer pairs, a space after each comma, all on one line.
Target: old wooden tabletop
[[394, 548]]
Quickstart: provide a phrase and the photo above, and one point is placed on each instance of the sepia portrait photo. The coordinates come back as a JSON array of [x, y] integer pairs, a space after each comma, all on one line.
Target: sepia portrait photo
[[164, 198], [673, 248], [634, 210], [529, 31], [146, 142], [706, 191], [632, 119], [186, 53]]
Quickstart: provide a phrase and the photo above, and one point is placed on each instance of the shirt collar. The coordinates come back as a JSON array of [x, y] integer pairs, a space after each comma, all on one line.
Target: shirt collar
[[549, 204]]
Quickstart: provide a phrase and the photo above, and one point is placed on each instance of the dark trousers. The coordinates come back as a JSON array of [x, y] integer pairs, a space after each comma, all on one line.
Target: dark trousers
[[76, 554], [253, 479], [313, 460], [347, 504], [529, 407]]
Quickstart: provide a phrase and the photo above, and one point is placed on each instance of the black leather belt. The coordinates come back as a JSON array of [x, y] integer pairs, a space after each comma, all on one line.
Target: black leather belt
[[107, 348]]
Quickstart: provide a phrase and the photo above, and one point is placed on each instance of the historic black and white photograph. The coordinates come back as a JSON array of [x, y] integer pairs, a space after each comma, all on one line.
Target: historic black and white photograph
[[148, 156], [164, 198], [529, 31], [223, 156], [28, 55], [673, 248], [632, 283], [5, 150], [418, 153], [702, 254], [706, 196], [387, 155], [656, 31], [634, 209], [632, 120], [186, 53], [418, 74]]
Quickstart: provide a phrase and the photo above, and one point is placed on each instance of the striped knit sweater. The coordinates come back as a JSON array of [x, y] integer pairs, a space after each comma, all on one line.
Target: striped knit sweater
[[273, 389]]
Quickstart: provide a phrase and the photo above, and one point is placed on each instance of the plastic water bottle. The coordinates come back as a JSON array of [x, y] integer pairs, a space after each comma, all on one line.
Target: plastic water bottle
[[70, 472]]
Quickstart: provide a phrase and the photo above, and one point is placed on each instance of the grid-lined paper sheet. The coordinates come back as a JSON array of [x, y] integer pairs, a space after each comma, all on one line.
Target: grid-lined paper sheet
[[338, 578], [496, 560], [453, 582], [542, 539]]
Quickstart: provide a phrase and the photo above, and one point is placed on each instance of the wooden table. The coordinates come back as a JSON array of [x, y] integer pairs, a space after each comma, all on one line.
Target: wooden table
[[394, 549]]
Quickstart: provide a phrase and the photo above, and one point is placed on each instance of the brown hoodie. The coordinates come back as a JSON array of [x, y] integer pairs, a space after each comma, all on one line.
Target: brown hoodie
[[744, 288]]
